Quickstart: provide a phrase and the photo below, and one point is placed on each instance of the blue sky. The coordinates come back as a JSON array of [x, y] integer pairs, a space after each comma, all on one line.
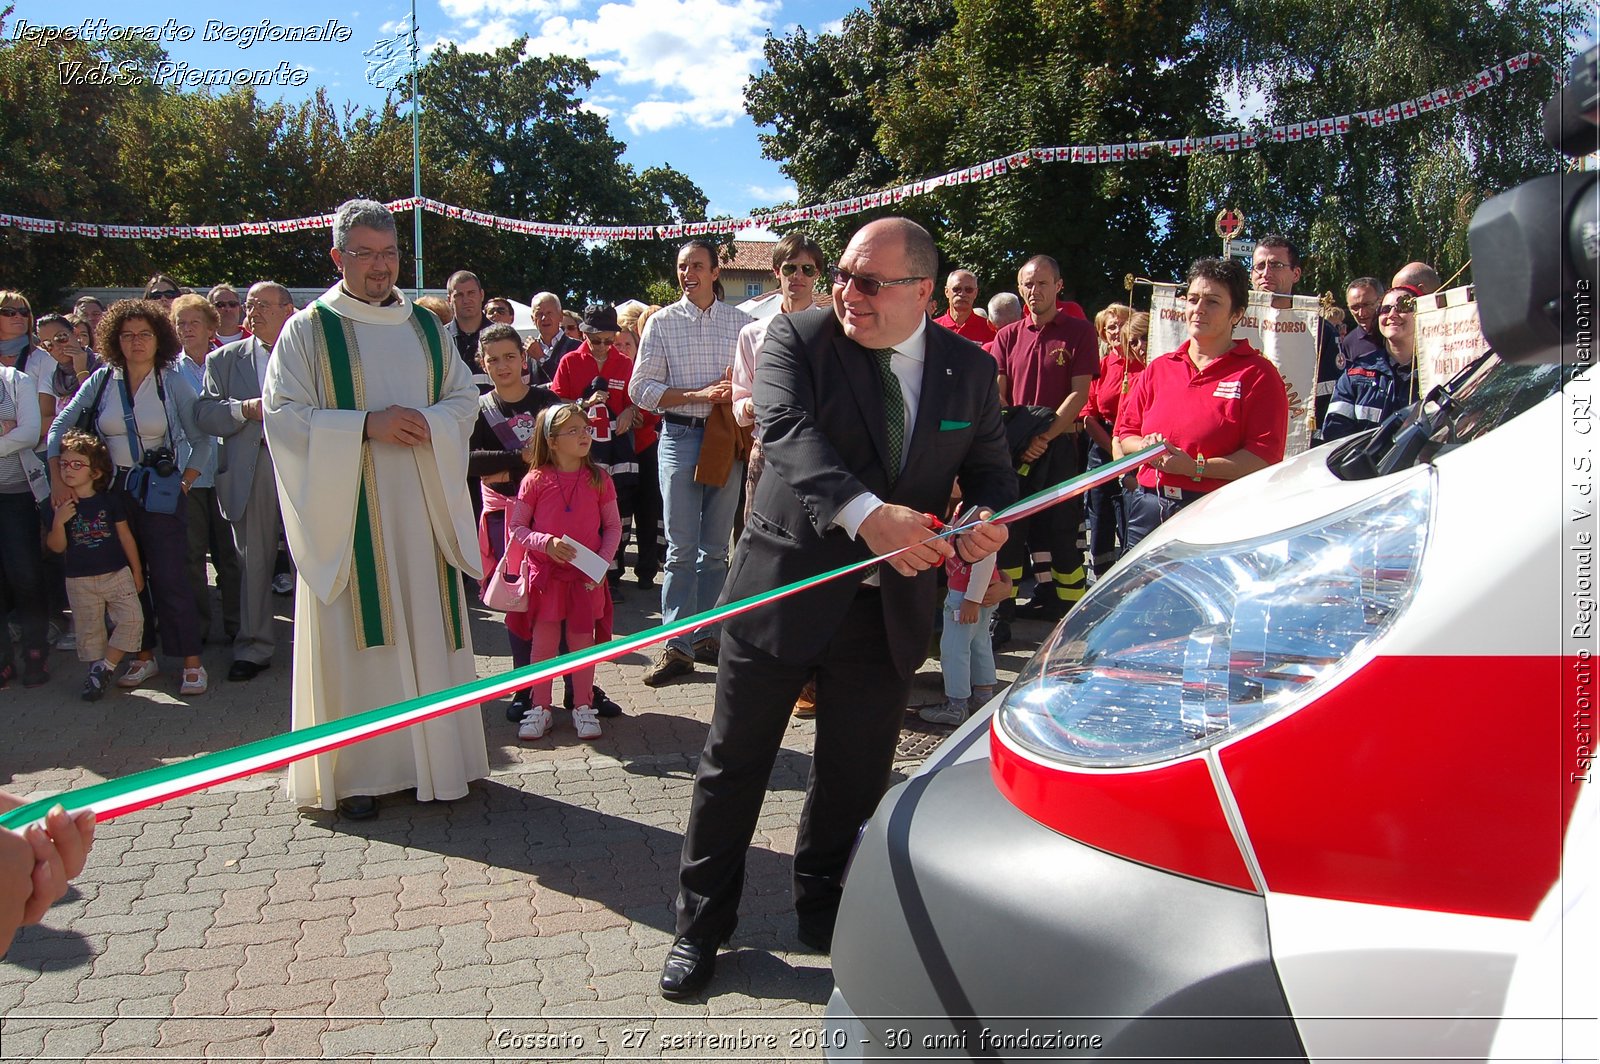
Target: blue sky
[[672, 72]]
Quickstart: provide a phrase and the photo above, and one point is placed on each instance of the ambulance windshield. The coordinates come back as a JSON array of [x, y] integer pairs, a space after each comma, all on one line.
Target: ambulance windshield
[[1483, 396]]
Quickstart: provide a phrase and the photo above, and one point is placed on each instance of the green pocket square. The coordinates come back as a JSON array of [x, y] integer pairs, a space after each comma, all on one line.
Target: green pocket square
[[949, 426]]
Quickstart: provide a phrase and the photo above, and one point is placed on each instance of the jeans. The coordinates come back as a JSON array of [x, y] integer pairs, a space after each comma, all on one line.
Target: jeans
[[699, 521], [966, 655], [1145, 510]]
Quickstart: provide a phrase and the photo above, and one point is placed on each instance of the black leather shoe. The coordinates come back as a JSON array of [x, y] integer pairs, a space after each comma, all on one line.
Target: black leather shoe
[[817, 933], [1040, 608], [242, 670], [691, 962], [519, 705], [358, 807], [604, 706]]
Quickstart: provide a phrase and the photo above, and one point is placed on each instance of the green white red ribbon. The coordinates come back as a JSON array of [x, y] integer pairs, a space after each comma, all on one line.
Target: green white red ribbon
[[128, 794]]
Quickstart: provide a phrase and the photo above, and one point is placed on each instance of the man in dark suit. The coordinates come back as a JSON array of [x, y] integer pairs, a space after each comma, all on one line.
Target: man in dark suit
[[848, 476], [247, 488], [549, 343]]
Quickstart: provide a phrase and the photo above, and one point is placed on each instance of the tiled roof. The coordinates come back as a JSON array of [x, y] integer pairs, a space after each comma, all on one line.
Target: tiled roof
[[751, 255]]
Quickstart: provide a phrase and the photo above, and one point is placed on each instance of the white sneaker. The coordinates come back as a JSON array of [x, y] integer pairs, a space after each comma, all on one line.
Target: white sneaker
[[587, 721], [195, 681], [534, 723], [139, 670]]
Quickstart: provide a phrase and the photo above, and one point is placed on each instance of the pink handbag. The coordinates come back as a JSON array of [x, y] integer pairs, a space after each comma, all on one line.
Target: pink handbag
[[504, 591]]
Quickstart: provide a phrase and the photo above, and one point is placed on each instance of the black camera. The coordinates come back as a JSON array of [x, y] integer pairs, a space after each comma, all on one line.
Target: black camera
[[160, 459], [1535, 248]]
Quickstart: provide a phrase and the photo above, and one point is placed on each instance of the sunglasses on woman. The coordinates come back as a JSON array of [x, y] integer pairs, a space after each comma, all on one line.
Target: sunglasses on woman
[[1403, 305]]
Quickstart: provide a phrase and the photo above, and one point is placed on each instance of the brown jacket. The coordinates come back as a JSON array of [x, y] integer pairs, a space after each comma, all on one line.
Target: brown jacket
[[725, 442]]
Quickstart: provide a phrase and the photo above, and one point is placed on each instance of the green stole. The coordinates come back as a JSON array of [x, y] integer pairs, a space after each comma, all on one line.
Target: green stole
[[343, 386]]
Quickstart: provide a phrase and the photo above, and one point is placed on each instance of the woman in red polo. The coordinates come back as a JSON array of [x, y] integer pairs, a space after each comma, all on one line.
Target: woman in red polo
[[1218, 405]]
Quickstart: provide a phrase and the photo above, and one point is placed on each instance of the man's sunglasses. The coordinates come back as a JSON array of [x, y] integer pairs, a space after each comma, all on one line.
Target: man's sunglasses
[[788, 268], [867, 286], [165, 293], [225, 304]]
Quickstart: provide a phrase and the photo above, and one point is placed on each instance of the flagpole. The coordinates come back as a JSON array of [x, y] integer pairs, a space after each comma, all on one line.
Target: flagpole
[[416, 154]]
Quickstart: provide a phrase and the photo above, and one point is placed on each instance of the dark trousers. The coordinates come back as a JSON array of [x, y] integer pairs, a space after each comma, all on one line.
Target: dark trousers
[[647, 516], [21, 573], [1056, 529], [167, 600], [1107, 523], [860, 702], [210, 533]]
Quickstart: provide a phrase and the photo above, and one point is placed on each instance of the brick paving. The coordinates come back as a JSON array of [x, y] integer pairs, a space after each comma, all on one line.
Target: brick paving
[[526, 921]]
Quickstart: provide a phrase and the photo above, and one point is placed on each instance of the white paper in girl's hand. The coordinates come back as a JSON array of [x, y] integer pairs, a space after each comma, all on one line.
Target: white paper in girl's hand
[[588, 562]]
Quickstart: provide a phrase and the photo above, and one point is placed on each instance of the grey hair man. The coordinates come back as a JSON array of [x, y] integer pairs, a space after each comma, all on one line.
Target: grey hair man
[[230, 313], [230, 408], [550, 342], [1004, 308]]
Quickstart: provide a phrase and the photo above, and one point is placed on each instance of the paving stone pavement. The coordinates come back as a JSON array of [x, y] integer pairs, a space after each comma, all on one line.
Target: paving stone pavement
[[527, 921]]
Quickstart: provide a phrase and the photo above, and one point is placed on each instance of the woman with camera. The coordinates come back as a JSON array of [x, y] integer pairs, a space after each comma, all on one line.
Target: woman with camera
[[143, 408]]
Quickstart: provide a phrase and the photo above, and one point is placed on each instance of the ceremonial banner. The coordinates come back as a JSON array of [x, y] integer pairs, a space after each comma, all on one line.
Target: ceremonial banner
[[1287, 337], [1448, 336]]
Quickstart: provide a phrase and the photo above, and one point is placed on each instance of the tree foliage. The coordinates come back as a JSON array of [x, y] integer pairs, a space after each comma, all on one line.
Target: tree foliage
[[910, 92], [501, 133]]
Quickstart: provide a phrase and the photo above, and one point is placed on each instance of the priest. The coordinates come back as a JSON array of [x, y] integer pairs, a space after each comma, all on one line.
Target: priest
[[367, 416]]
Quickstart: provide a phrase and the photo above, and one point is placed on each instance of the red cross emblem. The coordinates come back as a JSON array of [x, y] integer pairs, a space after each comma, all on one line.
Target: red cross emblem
[[1342, 124], [1229, 222], [1410, 109]]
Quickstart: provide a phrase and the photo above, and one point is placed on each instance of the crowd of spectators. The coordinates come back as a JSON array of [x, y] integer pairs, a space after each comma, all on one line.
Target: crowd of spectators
[[172, 382]]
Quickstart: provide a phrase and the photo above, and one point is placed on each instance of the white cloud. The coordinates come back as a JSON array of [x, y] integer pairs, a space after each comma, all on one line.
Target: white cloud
[[768, 194], [688, 59], [835, 27], [474, 12]]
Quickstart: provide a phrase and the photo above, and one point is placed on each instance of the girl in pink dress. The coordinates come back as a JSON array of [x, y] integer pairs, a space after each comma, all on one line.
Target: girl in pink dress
[[564, 495]]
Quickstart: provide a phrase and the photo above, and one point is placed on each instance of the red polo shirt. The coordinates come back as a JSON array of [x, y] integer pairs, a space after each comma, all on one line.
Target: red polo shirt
[[1117, 374], [1039, 364], [1238, 403], [976, 328], [578, 369]]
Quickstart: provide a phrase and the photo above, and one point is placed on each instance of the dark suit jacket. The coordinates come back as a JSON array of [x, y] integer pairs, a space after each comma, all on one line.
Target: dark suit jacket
[[545, 372], [819, 408]]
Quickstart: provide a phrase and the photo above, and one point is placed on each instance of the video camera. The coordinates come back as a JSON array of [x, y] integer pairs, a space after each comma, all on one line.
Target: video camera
[[1535, 248]]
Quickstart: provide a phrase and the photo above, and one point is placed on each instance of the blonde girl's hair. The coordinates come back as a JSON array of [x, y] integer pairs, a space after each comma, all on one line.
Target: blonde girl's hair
[[1138, 325], [540, 451]]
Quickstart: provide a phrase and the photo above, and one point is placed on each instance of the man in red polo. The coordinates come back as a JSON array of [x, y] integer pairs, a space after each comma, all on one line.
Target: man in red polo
[[961, 291], [1047, 359]]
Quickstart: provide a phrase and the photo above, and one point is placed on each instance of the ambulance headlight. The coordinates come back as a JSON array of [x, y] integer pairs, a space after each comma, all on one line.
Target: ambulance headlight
[[1188, 645]]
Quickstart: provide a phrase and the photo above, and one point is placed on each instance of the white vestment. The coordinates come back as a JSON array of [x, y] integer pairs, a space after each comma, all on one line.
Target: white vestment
[[423, 509]]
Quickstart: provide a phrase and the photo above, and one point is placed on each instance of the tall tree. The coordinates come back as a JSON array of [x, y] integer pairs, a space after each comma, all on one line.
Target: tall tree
[[503, 133], [520, 143], [1371, 201], [879, 104], [819, 95]]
